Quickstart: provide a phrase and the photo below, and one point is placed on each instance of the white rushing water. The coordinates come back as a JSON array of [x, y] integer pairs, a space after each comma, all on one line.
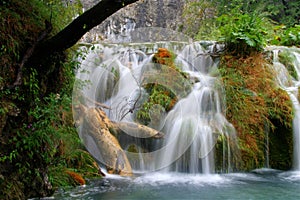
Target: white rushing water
[[115, 76], [290, 84]]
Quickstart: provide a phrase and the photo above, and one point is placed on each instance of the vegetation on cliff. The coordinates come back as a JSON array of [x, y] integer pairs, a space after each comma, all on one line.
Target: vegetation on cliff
[[251, 90], [39, 145]]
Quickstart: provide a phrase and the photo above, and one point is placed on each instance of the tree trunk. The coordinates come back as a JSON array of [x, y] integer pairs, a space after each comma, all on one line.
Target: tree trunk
[[137, 130], [98, 127], [79, 26], [109, 150]]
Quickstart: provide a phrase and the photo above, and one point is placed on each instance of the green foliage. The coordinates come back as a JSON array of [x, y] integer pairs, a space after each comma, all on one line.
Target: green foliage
[[243, 33], [286, 36], [33, 147], [77, 160], [248, 26], [282, 12], [242, 26], [46, 142], [38, 140], [22, 21], [291, 36], [39, 134]]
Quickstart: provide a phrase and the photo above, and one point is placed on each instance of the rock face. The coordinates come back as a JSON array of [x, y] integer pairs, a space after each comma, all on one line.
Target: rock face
[[144, 13]]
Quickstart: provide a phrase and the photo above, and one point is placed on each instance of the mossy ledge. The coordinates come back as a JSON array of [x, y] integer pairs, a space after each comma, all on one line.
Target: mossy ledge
[[257, 106]]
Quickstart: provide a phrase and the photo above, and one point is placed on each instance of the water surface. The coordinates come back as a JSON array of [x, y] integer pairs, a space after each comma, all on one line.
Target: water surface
[[259, 184]]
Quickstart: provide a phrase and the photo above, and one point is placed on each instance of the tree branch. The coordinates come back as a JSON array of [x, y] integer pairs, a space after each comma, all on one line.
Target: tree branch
[[79, 26]]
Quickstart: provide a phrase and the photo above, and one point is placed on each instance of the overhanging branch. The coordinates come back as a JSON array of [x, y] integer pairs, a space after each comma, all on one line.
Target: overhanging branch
[[79, 26]]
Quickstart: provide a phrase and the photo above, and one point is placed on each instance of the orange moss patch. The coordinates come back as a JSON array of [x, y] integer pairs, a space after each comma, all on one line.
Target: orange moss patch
[[163, 53], [164, 57], [76, 177]]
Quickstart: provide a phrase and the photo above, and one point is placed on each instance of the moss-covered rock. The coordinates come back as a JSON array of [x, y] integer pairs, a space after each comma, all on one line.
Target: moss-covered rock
[[161, 93], [288, 59], [280, 147], [254, 102]]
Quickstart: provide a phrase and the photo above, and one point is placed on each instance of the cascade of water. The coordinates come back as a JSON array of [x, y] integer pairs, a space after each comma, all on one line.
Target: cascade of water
[[196, 121], [116, 75], [291, 84]]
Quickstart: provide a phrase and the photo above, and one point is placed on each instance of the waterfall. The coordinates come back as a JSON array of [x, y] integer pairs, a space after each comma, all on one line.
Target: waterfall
[[290, 84], [115, 75], [197, 120]]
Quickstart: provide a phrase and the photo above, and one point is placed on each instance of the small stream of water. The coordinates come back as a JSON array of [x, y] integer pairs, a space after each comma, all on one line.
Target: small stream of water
[[291, 85]]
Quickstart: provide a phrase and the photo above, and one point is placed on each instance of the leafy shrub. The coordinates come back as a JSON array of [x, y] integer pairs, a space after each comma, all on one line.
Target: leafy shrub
[[291, 36], [282, 12], [243, 33]]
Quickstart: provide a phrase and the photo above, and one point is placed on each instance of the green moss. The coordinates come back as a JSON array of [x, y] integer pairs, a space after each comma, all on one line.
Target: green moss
[[132, 148], [159, 95], [227, 154], [281, 147], [288, 59], [164, 88]]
